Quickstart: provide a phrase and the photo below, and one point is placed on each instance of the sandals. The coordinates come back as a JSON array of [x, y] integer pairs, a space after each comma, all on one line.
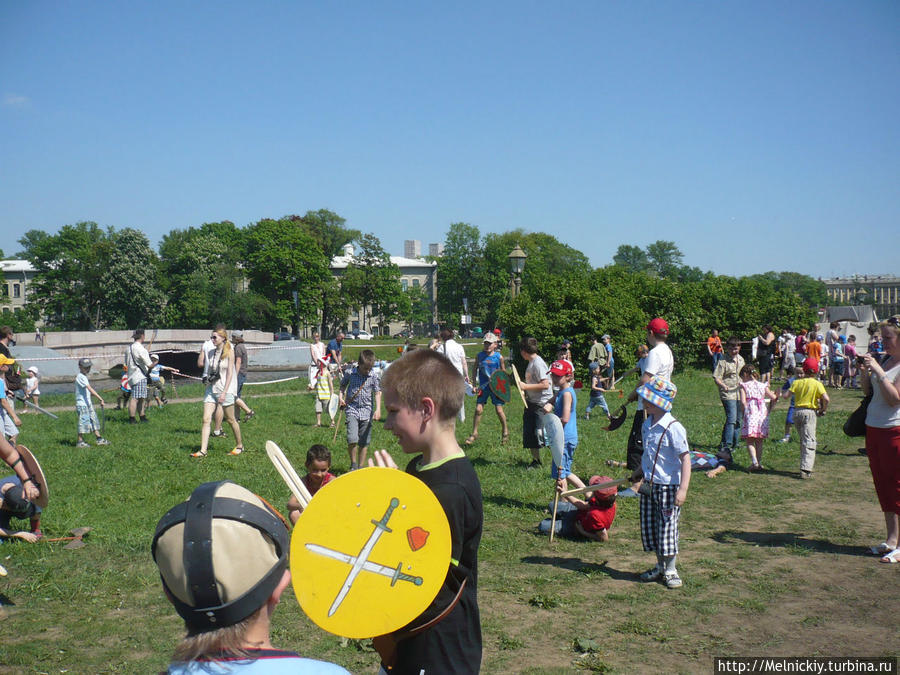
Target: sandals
[[200, 453], [672, 580], [249, 415], [471, 439], [238, 450], [217, 433], [880, 550], [891, 558]]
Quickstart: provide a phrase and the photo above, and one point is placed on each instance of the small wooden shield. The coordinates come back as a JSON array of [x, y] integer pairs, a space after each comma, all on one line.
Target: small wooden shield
[[34, 470], [501, 385], [554, 436], [333, 404]]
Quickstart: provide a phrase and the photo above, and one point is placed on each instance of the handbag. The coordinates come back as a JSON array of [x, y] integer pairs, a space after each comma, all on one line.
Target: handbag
[[855, 425]]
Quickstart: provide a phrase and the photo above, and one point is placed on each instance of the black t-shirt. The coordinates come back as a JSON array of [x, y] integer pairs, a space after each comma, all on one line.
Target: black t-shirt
[[454, 644]]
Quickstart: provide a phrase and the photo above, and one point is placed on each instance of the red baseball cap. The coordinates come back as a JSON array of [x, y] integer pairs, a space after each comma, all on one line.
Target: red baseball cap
[[658, 326], [561, 368]]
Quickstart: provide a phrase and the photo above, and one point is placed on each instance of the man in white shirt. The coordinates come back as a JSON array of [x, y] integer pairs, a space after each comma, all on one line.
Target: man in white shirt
[[457, 355], [139, 364], [660, 363]]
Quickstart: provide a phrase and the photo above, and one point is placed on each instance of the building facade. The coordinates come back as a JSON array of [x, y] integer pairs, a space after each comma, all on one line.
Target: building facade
[[880, 291], [412, 248], [17, 278], [414, 273]]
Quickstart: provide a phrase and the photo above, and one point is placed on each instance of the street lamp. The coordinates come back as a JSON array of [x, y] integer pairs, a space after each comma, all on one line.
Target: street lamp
[[516, 265]]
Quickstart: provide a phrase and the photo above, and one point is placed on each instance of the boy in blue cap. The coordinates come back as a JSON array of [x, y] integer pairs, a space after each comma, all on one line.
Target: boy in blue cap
[[666, 468]]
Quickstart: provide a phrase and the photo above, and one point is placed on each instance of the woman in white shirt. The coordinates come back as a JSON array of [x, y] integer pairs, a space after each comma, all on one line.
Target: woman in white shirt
[[221, 389]]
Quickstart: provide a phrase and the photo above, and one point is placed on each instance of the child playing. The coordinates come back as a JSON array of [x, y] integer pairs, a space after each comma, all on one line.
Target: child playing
[[666, 468], [598, 384], [124, 390], [324, 390], [157, 381], [811, 401], [423, 392], [755, 427], [318, 463], [358, 389], [591, 519], [487, 362], [793, 374], [562, 374], [87, 418], [33, 385], [538, 393]]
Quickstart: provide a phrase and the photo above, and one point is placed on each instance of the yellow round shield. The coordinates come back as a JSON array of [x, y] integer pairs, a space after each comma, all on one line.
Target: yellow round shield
[[369, 553]]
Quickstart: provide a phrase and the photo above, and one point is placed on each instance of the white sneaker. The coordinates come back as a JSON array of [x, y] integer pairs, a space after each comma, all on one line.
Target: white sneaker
[[672, 580], [786, 439]]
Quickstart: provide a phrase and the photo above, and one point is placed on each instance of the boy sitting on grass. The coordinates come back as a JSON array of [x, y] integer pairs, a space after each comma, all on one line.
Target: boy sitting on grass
[[318, 463], [591, 518], [423, 393], [87, 418]]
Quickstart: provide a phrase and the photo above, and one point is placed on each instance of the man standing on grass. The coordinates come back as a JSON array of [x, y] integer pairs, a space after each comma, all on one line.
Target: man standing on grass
[[538, 393], [457, 356], [139, 364]]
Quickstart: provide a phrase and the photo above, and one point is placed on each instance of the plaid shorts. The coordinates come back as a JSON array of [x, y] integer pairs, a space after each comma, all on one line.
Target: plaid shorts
[[659, 520], [139, 389], [87, 419]]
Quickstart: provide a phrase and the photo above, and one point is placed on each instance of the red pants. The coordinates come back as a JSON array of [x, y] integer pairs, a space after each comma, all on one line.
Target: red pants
[[883, 449]]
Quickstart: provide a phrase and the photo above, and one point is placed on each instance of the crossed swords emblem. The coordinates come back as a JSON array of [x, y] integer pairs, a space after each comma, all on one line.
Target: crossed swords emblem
[[361, 562]]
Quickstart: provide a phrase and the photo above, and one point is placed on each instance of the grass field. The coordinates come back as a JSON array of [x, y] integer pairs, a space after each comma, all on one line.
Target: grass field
[[772, 565]]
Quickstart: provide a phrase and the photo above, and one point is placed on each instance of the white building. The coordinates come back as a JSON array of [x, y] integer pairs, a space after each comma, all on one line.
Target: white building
[[882, 291], [414, 273], [435, 250], [17, 277]]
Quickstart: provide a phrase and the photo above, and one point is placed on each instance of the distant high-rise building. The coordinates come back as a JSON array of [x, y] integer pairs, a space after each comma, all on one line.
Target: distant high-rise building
[[435, 250], [412, 248]]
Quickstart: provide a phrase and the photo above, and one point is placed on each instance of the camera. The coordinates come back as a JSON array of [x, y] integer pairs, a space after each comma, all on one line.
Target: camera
[[212, 378], [861, 360]]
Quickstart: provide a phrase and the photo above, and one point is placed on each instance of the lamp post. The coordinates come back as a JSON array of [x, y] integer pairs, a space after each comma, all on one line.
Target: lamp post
[[516, 265]]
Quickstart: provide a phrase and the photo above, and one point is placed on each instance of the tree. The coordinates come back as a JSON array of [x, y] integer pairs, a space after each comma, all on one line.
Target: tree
[[132, 295], [372, 282], [68, 286], [282, 258], [418, 308], [631, 258], [460, 273], [665, 258]]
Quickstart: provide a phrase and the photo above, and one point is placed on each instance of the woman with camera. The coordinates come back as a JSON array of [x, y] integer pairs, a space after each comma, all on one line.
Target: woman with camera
[[882, 382], [221, 389]]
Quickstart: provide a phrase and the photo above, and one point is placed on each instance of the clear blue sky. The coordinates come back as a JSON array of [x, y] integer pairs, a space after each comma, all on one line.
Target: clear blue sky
[[756, 135]]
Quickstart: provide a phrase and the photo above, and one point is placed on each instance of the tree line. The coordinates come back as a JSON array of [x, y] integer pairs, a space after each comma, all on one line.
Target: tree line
[[277, 272]]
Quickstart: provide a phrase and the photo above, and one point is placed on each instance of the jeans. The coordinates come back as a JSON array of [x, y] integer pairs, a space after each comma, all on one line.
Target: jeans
[[595, 401], [718, 356], [731, 431]]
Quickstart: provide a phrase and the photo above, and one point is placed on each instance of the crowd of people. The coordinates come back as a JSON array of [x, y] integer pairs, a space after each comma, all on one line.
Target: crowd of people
[[423, 394]]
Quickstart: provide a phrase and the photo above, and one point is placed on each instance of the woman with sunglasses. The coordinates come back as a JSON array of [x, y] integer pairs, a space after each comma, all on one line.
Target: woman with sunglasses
[[881, 380], [221, 389]]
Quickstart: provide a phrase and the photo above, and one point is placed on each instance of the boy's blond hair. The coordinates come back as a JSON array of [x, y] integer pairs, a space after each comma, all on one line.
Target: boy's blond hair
[[425, 373]]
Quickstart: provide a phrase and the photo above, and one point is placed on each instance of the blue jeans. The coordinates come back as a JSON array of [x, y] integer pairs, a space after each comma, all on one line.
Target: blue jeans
[[597, 400], [731, 431], [718, 356]]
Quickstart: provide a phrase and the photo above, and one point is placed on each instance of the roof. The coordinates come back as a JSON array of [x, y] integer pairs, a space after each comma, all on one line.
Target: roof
[[17, 266], [343, 261]]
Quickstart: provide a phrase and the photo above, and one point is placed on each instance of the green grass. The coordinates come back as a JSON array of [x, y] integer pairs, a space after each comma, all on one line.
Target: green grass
[[756, 549]]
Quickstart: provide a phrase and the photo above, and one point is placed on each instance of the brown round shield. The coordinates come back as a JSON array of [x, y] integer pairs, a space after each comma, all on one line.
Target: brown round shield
[[34, 469]]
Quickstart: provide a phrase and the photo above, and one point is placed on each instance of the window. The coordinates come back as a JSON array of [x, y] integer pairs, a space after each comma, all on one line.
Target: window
[[17, 290], [404, 283], [415, 283]]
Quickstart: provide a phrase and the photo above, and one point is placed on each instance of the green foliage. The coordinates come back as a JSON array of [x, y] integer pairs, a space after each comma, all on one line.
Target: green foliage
[[632, 258], [132, 293], [372, 282], [283, 258], [665, 258], [21, 320], [68, 287], [461, 273]]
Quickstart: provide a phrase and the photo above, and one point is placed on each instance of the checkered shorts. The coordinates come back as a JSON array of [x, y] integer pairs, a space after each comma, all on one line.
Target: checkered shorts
[[659, 520], [139, 389]]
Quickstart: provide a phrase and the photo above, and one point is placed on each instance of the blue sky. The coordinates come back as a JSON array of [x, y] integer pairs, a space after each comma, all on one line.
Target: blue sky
[[756, 135]]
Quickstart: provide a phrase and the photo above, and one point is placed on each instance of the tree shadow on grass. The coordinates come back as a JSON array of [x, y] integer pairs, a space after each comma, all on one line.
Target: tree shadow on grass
[[784, 540], [579, 565]]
